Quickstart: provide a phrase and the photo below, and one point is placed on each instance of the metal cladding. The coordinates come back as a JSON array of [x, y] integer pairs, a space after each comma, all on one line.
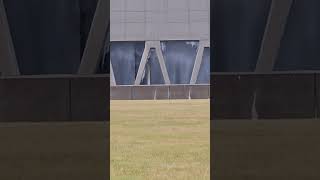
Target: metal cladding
[[300, 48], [154, 20], [160, 41], [265, 59], [237, 32], [239, 27], [49, 36], [41, 45]]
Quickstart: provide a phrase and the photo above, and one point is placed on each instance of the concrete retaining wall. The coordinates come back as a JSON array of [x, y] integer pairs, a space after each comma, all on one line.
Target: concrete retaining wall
[[289, 95], [160, 92], [54, 98]]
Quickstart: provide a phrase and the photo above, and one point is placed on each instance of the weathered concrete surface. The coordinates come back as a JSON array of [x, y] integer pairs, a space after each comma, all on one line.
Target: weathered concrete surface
[[179, 92], [199, 91], [264, 96], [89, 99], [54, 98], [34, 99], [232, 96], [160, 92], [285, 96], [120, 92]]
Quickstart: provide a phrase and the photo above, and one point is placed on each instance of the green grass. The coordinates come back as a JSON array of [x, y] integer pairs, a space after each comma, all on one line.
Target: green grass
[[162, 140], [266, 149], [53, 151]]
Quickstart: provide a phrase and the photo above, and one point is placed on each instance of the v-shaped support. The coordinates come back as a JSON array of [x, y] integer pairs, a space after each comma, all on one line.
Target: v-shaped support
[[148, 45], [8, 61], [275, 28], [96, 39], [112, 78], [198, 61]]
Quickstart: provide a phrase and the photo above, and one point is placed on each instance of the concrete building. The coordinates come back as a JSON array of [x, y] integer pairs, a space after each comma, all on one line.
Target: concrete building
[[160, 41]]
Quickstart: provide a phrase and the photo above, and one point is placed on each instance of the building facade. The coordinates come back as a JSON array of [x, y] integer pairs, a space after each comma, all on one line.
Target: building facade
[[160, 41]]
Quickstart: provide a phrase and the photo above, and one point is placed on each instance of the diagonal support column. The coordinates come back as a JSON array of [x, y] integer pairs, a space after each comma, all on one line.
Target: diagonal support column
[[162, 62], [271, 42], [144, 59], [96, 38], [112, 78], [8, 61], [274, 31], [198, 61], [142, 64]]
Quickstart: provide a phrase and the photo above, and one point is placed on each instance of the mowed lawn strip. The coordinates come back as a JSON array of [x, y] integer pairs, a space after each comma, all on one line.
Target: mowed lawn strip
[[163, 139], [53, 150], [266, 149]]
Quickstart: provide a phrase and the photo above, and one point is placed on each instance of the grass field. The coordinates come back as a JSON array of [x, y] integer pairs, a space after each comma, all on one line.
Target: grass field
[[164, 139], [266, 149], [53, 151]]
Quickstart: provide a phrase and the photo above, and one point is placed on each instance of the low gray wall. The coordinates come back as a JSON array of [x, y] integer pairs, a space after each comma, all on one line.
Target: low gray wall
[[160, 92], [54, 98], [283, 95]]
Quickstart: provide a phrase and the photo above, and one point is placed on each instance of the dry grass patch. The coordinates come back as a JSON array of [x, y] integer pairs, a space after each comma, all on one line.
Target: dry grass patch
[[166, 139]]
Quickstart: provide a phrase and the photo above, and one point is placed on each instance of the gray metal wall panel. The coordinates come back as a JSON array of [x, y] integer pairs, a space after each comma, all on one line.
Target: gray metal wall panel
[[89, 99], [300, 48], [34, 100], [46, 35], [140, 20], [238, 28]]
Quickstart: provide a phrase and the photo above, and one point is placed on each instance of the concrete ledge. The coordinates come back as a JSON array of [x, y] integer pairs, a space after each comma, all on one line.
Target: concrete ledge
[[160, 92], [120, 92], [199, 92]]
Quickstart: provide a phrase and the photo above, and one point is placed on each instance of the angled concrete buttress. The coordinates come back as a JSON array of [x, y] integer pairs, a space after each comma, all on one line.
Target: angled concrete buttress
[[112, 78], [198, 61], [8, 61], [96, 39], [274, 31], [157, 46]]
